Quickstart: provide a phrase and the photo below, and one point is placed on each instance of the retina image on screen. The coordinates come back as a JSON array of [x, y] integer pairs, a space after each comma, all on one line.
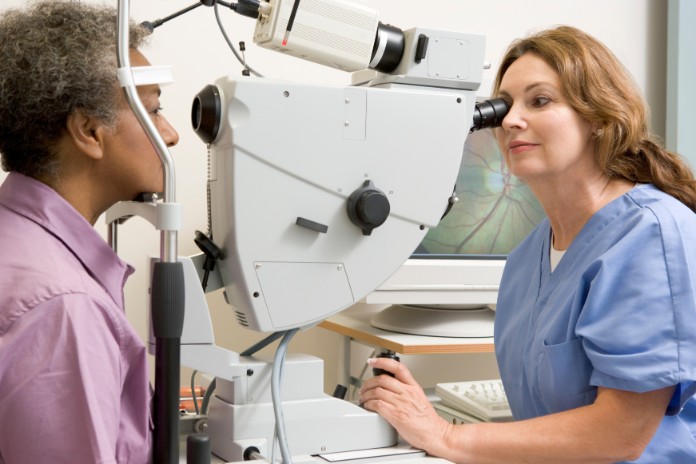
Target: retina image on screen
[[450, 283]]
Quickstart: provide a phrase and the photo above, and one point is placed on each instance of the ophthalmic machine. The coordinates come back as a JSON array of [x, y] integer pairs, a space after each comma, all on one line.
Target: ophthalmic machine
[[317, 194]]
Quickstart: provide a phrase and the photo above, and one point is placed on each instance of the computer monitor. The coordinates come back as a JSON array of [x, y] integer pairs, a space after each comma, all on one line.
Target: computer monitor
[[450, 284]]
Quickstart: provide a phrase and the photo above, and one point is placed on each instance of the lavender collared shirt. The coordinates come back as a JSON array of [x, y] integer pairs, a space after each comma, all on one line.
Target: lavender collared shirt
[[74, 382]]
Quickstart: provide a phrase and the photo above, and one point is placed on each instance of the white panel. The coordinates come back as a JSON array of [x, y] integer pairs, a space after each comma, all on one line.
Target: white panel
[[318, 286]]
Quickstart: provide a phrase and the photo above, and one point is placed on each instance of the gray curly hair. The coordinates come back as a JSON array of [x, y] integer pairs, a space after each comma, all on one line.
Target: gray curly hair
[[55, 57]]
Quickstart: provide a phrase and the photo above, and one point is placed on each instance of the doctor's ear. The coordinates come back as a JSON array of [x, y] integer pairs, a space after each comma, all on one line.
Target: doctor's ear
[[86, 133]]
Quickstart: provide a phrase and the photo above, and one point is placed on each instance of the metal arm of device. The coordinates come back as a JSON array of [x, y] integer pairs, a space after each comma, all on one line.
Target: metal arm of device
[[247, 8], [168, 276]]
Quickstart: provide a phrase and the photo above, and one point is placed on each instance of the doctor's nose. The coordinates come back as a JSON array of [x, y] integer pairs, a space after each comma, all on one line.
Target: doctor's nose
[[514, 119]]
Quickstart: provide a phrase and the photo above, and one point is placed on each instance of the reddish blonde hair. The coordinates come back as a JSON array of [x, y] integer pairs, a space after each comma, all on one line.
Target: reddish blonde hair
[[602, 91]]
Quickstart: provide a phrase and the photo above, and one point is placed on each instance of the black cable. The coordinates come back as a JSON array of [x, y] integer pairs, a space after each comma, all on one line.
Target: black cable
[[262, 344], [229, 42], [247, 8], [150, 26]]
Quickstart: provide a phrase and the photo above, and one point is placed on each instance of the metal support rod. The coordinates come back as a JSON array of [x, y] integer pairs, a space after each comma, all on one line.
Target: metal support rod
[[344, 361], [140, 111], [113, 236], [167, 288]]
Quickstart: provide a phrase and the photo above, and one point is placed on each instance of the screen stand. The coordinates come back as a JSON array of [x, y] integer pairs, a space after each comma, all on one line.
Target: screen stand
[[437, 321]]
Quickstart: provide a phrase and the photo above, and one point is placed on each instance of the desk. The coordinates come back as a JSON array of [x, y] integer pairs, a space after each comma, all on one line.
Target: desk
[[354, 324]]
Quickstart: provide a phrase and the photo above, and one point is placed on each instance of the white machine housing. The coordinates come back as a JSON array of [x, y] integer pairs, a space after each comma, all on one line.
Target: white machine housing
[[287, 151], [336, 33]]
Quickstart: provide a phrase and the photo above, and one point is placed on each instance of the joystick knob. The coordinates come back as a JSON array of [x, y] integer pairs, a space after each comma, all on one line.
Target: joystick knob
[[368, 207], [387, 354]]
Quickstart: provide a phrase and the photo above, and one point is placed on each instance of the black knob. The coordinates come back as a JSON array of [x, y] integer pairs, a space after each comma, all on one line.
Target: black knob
[[368, 207], [387, 354], [340, 391], [198, 448]]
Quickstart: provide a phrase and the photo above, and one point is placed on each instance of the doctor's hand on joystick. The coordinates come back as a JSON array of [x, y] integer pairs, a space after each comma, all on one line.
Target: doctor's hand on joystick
[[386, 354], [402, 402]]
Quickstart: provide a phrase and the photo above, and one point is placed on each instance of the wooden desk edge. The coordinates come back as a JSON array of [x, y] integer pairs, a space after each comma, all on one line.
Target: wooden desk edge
[[375, 340]]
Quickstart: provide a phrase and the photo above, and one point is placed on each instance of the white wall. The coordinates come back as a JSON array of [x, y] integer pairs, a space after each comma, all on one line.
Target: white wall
[[634, 29]]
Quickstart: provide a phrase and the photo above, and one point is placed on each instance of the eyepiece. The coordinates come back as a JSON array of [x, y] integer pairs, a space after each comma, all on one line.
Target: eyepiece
[[489, 113], [206, 113], [388, 49]]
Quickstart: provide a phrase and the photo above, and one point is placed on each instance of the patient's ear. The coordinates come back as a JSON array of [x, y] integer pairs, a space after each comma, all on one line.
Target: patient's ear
[[86, 133]]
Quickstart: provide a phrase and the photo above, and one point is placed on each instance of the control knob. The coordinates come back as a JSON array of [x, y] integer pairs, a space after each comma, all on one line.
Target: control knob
[[368, 207]]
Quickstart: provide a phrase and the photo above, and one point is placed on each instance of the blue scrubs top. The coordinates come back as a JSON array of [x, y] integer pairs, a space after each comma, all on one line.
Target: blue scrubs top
[[619, 311]]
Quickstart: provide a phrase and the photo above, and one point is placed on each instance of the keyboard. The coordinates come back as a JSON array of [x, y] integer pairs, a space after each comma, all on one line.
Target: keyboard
[[483, 399]]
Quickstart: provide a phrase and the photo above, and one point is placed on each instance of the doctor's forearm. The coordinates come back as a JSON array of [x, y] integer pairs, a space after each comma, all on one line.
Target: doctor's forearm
[[548, 439], [616, 427]]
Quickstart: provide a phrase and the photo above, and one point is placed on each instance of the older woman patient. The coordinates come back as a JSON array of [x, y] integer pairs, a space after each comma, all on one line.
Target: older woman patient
[[74, 383]]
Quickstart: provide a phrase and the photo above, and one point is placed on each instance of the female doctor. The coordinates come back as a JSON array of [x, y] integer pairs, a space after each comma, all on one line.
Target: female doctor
[[595, 329]]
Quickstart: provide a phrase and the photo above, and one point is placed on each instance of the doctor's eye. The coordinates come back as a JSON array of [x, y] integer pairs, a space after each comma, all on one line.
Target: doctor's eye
[[540, 100]]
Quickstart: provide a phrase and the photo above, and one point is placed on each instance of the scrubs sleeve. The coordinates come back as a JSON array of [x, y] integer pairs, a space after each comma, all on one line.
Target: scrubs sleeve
[[638, 322]]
